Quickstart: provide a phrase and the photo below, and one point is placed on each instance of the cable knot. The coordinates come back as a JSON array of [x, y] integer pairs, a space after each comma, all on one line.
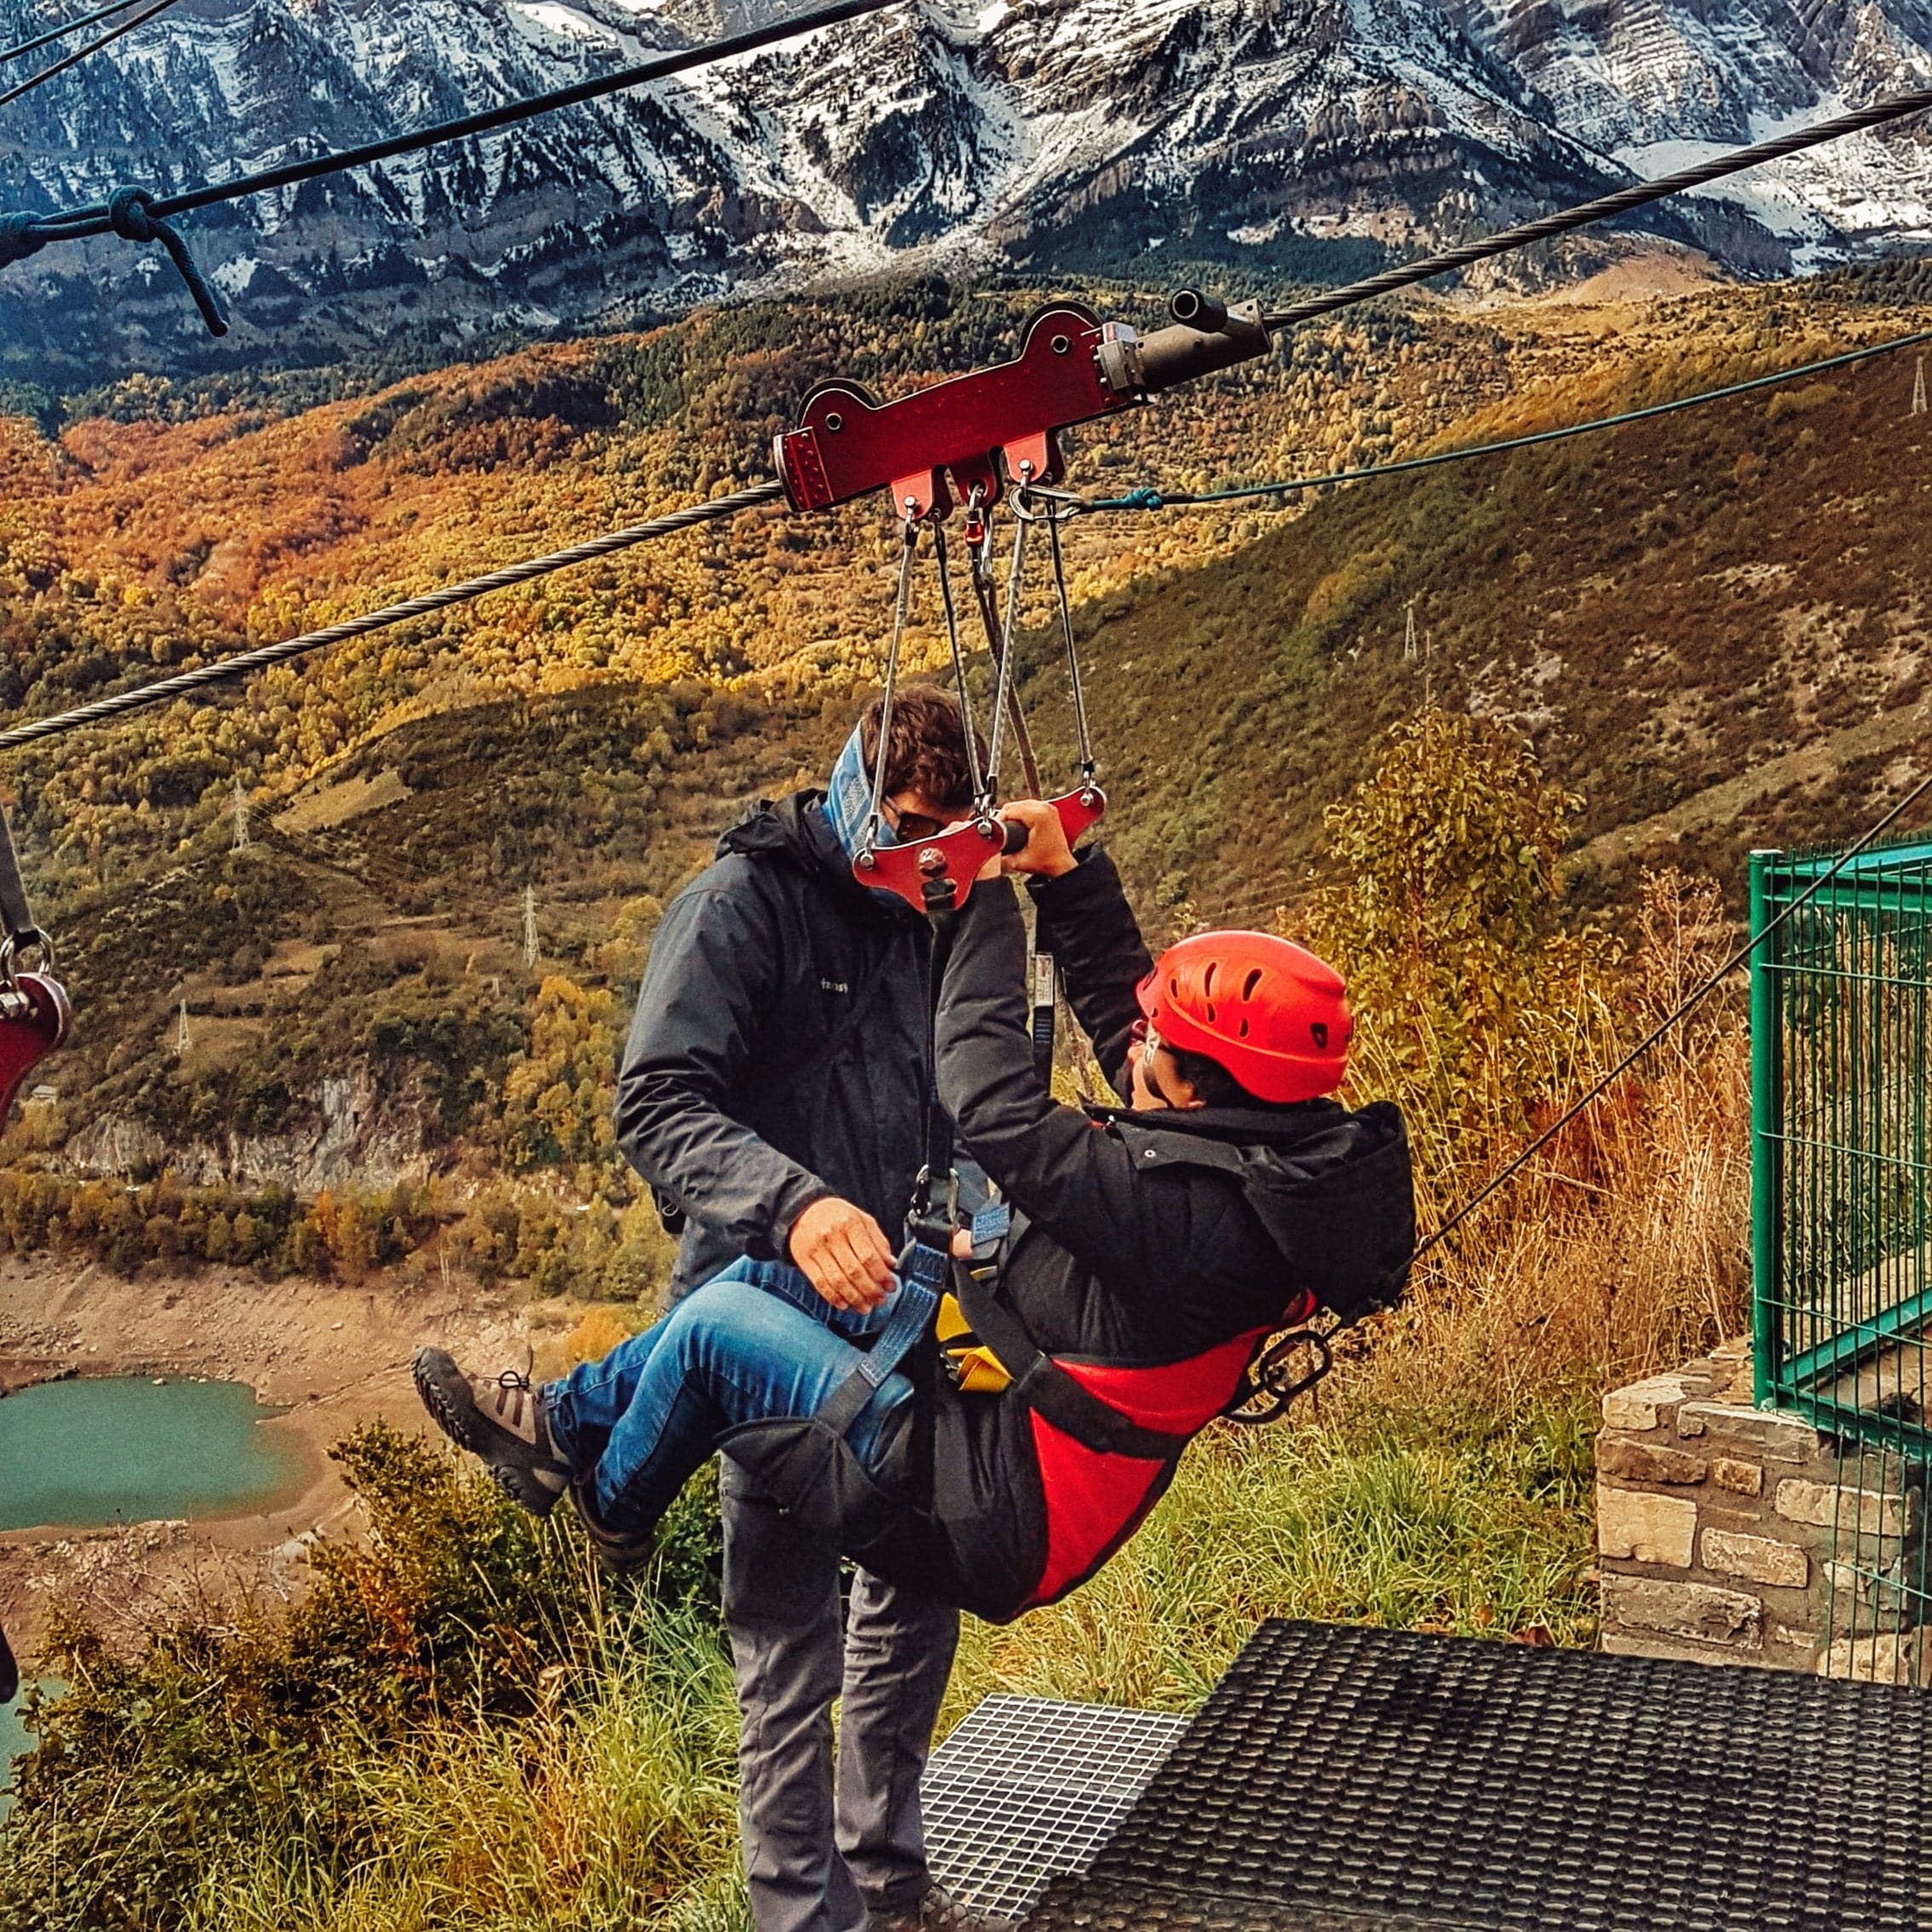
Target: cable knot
[[20, 236], [131, 215]]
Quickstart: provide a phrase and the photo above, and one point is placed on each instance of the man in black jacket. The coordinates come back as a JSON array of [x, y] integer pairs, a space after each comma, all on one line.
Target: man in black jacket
[[772, 1093]]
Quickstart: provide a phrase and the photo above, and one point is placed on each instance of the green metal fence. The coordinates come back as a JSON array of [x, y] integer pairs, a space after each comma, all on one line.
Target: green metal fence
[[1842, 1219]]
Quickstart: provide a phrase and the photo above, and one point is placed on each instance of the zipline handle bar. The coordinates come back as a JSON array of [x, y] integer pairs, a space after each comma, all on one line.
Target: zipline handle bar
[[976, 433], [936, 875]]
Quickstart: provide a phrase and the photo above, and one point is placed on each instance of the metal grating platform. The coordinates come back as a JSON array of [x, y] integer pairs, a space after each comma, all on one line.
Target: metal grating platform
[[1027, 1788], [1354, 1780]]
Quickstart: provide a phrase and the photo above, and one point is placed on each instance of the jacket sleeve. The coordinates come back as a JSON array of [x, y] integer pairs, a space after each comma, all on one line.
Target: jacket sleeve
[[1050, 1160], [1085, 923], [713, 971]]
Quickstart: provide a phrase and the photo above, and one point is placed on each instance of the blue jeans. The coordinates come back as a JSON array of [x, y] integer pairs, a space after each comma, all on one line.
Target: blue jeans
[[755, 1344]]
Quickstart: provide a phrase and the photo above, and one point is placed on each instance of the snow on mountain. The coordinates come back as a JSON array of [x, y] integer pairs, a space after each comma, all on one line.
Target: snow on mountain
[[943, 130]]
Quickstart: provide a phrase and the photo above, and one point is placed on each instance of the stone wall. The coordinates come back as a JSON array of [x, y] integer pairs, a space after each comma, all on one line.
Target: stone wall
[[1718, 1526]]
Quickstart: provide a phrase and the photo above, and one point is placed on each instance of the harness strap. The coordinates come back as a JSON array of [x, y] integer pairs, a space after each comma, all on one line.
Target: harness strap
[[922, 1270], [1049, 1390]]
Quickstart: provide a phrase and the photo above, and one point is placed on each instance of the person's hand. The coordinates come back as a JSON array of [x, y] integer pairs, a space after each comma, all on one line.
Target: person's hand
[[1046, 851], [841, 1252]]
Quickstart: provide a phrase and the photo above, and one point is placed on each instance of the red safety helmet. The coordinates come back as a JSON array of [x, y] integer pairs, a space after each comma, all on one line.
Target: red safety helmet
[[1267, 1010]]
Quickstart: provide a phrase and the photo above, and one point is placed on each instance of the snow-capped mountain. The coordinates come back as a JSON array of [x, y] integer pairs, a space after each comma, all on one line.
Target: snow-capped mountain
[[941, 129]]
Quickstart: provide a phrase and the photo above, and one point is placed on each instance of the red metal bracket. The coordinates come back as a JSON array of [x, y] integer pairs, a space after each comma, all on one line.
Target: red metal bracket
[[34, 1019], [848, 445], [932, 875], [936, 875], [1078, 810]]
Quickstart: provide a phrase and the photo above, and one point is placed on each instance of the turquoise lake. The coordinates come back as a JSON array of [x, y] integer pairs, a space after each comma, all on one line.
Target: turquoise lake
[[85, 1453]]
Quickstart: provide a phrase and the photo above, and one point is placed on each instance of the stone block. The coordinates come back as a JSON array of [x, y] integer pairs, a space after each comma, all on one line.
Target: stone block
[[1645, 1528], [1741, 1479], [1756, 1559], [1784, 1439], [1696, 1611], [1869, 1512], [1641, 1461], [1898, 1658], [1624, 1643], [1639, 1406]]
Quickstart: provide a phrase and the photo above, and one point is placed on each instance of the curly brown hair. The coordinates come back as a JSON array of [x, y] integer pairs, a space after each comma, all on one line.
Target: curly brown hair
[[926, 750]]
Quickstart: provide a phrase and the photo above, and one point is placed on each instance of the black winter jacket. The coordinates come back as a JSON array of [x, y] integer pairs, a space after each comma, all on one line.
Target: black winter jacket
[[1140, 1240], [778, 1053]]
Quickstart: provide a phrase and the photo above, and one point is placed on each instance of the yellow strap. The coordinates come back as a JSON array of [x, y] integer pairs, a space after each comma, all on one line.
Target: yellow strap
[[974, 1367]]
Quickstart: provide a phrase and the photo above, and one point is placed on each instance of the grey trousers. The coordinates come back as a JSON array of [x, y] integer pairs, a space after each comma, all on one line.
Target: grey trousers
[[820, 1852]]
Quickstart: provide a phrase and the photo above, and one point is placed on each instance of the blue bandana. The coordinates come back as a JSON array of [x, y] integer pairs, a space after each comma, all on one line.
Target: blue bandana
[[848, 801]]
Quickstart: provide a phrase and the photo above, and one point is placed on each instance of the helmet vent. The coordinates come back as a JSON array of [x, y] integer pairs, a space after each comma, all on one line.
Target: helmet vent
[[1244, 1029], [1207, 979], [1248, 986]]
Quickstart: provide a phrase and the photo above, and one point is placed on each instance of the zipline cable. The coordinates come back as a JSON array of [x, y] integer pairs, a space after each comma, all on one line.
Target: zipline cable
[[94, 221], [1640, 194], [61, 31], [267, 654], [1681, 1012], [223, 669], [1151, 499], [80, 54]]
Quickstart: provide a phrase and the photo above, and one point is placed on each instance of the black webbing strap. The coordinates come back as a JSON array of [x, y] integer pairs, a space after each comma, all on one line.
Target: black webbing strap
[[1045, 1387], [1046, 994]]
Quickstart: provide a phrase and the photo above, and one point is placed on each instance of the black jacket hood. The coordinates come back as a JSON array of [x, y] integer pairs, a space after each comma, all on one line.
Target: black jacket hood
[[1333, 1188], [795, 827]]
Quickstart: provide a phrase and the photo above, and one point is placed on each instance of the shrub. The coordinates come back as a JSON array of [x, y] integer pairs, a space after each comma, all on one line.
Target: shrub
[[269, 1756]]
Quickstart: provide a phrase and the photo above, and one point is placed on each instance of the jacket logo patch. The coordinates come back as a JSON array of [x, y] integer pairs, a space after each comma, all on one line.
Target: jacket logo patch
[[835, 986]]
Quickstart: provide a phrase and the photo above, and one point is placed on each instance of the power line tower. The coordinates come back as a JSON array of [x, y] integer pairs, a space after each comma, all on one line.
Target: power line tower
[[1409, 635], [238, 810], [530, 928], [1919, 388], [181, 1040]]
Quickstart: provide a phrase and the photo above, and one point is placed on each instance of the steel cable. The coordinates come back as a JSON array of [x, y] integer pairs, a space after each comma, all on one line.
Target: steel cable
[[1605, 208], [94, 219], [223, 669], [80, 54], [1151, 499], [61, 31], [1674, 1019]]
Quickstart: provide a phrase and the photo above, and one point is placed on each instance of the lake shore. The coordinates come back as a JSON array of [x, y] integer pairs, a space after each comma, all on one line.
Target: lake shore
[[329, 1356]]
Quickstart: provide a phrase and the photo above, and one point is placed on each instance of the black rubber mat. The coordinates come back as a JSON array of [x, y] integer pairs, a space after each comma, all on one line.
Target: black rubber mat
[[1354, 1780]]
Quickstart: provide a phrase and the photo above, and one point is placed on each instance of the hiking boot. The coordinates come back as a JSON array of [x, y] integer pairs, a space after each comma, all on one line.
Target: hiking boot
[[499, 1417], [937, 1912], [619, 1552]]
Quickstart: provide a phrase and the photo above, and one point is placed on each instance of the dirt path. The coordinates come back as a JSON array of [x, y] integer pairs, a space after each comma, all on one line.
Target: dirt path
[[331, 1356]]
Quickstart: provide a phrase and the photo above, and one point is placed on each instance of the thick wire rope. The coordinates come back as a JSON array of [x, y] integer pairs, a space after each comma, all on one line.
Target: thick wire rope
[[1605, 208], [222, 670], [95, 220], [1678, 1015], [1150, 499], [80, 54], [60, 33]]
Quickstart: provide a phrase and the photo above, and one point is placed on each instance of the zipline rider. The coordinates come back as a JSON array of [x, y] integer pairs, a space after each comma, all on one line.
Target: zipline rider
[[1147, 1251]]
